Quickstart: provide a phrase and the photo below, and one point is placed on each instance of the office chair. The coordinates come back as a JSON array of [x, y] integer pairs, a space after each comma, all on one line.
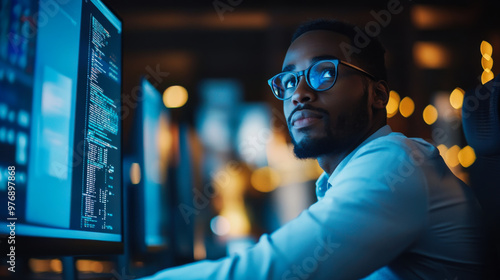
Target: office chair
[[481, 125]]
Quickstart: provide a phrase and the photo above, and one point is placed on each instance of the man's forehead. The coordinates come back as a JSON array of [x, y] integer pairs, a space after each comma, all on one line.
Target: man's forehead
[[313, 44]]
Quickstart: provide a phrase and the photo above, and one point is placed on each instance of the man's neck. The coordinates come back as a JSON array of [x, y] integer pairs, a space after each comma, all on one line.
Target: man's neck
[[329, 162]]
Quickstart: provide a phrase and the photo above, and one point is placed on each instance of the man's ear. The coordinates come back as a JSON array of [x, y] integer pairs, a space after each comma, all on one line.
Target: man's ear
[[381, 94]]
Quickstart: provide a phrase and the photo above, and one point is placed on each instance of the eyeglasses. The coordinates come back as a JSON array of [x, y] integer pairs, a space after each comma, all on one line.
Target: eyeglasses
[[320, 76]]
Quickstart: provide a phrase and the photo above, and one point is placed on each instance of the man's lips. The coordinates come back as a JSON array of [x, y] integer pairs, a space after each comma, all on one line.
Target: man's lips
[[305, 117]]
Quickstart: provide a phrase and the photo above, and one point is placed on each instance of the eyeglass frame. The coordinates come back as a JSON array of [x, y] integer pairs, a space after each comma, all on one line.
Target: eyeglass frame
[[305, 73]]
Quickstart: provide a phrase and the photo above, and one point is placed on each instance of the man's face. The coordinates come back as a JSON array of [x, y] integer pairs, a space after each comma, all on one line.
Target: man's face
[[332, 121]]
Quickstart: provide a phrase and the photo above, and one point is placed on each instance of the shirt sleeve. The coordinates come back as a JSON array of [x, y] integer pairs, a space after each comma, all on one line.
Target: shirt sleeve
[[375, 210]]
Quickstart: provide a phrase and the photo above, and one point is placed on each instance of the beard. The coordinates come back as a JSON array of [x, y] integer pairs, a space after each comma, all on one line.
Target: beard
[[341, 138]]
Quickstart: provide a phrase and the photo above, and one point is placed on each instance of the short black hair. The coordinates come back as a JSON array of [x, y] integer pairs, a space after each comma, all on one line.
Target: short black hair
[[371, 55]]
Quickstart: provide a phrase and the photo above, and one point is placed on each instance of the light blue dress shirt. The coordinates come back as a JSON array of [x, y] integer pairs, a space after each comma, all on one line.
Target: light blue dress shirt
[[390, 210]]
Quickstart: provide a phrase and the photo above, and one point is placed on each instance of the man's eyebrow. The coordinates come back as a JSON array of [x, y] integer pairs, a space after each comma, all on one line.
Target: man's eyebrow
[[291, 67], [322, 57]]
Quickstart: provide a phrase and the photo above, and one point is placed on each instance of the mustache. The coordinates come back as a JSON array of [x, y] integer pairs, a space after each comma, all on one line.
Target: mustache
[[305, 107]]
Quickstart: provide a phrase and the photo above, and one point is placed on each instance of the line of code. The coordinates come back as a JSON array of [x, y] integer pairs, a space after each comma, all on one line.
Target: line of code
[[102, 125]]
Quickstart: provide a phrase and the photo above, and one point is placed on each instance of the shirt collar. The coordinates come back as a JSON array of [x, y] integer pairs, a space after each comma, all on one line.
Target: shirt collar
[[324, 181]]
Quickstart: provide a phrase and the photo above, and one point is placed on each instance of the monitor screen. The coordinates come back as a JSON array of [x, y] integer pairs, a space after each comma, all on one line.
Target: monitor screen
[[152, 150], [60, 127]]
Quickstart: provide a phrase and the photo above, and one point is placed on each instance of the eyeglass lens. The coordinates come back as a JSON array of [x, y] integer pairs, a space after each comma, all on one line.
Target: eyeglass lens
[[321, 76]]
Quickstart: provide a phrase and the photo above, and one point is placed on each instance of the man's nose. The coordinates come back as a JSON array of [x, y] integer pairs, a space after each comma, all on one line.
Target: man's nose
[[303, 93]]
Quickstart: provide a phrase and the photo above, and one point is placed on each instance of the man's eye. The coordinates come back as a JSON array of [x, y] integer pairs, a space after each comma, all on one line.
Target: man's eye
[[327, 73], [290, 84]]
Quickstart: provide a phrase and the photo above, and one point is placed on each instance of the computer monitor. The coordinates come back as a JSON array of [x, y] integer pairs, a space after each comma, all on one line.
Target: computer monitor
[[60, 127], [150, 199]]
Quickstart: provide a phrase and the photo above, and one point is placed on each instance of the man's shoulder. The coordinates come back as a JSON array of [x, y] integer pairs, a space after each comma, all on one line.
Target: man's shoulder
[[399, 143], [395, 149]]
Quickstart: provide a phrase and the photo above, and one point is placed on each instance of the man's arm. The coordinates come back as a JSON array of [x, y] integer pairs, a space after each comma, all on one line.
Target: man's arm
[[375, 209]]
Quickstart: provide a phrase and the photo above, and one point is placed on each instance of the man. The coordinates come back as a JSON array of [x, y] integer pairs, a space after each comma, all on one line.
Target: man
[[388, 207]]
